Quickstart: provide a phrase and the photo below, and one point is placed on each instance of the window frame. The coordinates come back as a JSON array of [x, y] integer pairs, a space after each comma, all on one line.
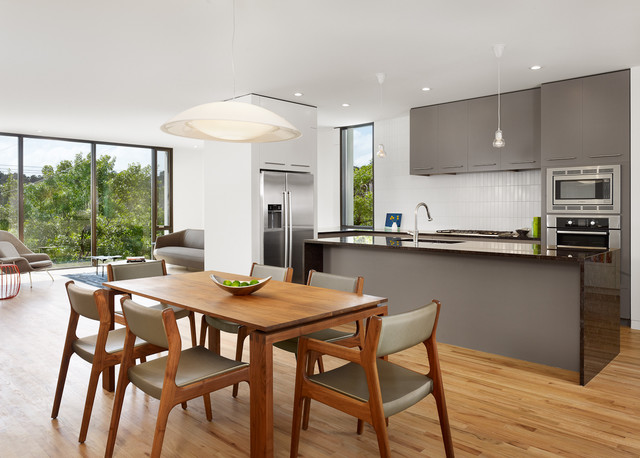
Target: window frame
[[94, 188], [344, 226]]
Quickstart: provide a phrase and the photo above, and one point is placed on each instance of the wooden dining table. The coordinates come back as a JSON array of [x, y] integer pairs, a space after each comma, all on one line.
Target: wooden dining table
[[276, 312]]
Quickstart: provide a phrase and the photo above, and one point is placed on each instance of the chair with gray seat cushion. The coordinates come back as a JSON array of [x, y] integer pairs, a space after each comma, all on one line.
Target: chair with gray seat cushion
[[173, 379], [129, 271], [215, 325], [102, 350], [370, 387], [13, 251]]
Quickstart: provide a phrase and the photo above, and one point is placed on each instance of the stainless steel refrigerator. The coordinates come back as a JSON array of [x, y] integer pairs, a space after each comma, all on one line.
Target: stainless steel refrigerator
[[287, 214]]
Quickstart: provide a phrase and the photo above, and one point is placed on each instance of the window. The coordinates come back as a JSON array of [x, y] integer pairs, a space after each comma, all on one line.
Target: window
[[356, 148], [73, 199]]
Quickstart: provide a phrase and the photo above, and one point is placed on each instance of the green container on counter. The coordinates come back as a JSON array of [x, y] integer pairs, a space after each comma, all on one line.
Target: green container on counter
[[535, 228]]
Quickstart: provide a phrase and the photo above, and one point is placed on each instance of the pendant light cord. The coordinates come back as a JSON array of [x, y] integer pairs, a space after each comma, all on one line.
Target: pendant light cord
[[498, 93], [233, 40]]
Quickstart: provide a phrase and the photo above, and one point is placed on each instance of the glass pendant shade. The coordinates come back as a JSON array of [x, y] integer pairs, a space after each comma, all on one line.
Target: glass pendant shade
[[235, 122], [498, 141], [381, 152]]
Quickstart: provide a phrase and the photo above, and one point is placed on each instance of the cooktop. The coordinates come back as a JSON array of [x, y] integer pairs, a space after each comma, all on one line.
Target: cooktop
[[482, 233]]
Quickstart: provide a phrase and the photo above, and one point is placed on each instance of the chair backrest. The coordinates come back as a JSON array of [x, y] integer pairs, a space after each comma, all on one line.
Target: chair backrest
[[15, 242], [145, 322], [131, 270], [82, 301], [402, 331], [276, 273], [337, 282], [8, 250]]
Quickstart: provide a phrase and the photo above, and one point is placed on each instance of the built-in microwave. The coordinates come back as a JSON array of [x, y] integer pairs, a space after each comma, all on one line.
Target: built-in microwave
[[594, 189]]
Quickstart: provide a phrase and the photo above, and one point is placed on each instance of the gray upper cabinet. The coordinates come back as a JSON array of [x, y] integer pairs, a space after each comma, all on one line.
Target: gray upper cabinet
[[423, 157], [483, 122], [458, 136], [452, 137], [585, 121], [605, 118], [520, 115]]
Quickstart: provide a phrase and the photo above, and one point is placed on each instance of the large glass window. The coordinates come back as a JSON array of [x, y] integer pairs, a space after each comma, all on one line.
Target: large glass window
[[124, 223], [9, 184], [76, 199], [57, 198], [357, 176]]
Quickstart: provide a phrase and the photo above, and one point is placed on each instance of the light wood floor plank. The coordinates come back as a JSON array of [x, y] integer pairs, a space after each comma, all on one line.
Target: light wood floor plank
[[498, 407]]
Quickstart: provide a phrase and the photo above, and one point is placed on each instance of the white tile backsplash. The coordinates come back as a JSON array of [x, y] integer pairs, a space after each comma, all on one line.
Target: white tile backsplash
[[485, 200]]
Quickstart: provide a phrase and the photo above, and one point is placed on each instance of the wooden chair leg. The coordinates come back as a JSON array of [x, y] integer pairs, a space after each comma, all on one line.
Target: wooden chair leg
[[214, 340], [443, 416], [360, 427], [123, 381], [311, 364], [88, 405], [297, 416], [242, 335], [207, 406], [161, 426], [203, 330], [382, 435], [192, 324], [62, 377]]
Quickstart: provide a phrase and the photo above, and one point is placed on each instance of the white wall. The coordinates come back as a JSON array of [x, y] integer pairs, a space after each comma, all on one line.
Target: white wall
[[486, 200], [188, 189], [635, 190], [328, 179]]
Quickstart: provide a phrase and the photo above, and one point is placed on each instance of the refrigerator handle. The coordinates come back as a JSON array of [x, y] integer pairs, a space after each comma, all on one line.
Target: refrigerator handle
[[290, 220], [286, 228]]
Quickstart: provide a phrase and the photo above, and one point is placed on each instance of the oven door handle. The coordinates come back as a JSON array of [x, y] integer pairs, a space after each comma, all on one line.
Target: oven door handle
[[604, 232], [583, 247]]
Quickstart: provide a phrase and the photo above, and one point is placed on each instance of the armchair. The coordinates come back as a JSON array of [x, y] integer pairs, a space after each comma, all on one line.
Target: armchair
[[13, 251]]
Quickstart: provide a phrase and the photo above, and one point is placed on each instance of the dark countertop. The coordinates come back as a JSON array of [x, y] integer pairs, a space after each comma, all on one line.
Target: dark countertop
[[505, 236], [445, 244]]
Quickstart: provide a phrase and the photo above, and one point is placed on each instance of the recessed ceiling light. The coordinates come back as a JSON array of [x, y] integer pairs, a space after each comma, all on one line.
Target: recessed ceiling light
[[346, 105], [425, 89], [298, 94], [535, 67]]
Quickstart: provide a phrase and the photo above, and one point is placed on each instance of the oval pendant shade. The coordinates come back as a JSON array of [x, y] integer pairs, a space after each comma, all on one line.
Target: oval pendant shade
[[236, 122]]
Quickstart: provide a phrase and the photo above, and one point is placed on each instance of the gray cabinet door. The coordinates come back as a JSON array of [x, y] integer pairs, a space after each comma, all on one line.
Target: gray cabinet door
[[452, 137], [423, 138], [521, 127], [483, 122], [605, 118], [561, 123]]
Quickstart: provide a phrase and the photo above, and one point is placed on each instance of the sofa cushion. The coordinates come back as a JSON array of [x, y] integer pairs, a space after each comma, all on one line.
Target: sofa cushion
[[182, 256], [194, 238]]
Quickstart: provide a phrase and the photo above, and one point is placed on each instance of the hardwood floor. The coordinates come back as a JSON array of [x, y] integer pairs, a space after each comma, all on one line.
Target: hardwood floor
[[498, 407]]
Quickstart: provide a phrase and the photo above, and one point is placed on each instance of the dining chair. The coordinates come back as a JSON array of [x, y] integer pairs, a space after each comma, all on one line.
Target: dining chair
[[102, 350], [215, 325], [173, 379], [129, 271], [345, 338], [369, 386]]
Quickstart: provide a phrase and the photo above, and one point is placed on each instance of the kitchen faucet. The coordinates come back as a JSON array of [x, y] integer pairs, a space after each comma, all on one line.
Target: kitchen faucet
[[415, 227]]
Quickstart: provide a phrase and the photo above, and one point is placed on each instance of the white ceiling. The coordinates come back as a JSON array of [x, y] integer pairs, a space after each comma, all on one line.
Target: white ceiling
[[116, 70]]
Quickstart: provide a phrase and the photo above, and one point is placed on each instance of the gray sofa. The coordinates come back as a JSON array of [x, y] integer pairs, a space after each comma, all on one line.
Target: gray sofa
[[182, 248]]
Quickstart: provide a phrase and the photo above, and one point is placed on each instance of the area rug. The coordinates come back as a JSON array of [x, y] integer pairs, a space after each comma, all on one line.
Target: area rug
[[89, 278]]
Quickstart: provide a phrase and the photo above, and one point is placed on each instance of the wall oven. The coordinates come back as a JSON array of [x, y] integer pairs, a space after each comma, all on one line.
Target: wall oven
[[585, 190], [578, 232]]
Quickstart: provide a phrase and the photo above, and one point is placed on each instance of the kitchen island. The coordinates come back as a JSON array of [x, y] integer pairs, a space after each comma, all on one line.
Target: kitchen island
[[514, 299]]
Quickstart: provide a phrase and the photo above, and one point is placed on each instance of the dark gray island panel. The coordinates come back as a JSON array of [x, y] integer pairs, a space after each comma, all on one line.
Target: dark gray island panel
[[500, 298]]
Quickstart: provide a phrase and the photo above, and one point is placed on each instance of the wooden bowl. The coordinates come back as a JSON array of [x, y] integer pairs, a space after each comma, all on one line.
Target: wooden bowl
[[239, 290]]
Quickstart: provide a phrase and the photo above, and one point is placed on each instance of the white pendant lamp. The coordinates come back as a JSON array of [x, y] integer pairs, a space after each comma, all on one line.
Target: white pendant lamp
[[237, 122], [498, 141], [381, 153], [231, 121]]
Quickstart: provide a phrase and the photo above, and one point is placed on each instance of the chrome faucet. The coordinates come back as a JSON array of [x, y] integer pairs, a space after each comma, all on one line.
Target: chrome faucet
[[415, 227]]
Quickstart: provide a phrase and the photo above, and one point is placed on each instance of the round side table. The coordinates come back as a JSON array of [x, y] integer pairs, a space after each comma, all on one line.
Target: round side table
[[9, 281]]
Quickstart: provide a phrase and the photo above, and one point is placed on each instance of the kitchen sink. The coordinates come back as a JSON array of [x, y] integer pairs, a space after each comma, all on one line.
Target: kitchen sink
[[432, 241]]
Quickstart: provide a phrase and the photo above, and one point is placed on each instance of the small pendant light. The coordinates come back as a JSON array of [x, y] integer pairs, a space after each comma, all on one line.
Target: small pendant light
[[498, 141], [381, 153]]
